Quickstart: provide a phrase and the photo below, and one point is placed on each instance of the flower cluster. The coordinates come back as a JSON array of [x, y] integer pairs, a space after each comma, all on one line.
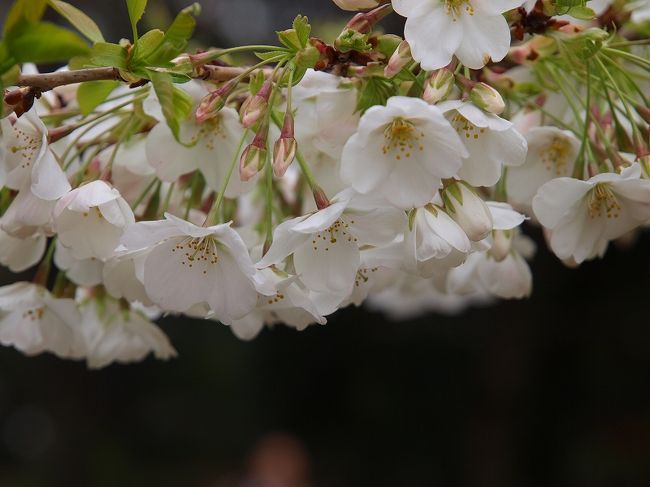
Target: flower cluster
[[397, 172]]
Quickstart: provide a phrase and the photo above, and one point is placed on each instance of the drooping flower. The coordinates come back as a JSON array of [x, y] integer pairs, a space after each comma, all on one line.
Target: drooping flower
[[473, 30], [211, 147], [468, 210], [114, 333], [187, 265], [91, 219], [551, 154], [325, 245], [491, 142], [583, 216], [33, 321], [401, 152], [83, 272], [19, 254]]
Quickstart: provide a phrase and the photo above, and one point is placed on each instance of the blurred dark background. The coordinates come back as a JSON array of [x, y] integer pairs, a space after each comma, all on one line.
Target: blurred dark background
[[551, 392]]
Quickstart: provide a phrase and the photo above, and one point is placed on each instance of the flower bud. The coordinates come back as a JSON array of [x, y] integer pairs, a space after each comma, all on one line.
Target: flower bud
[[400, 58], [467, 209], [354, 5], [321, 199], [254, 156], [487, 98], [438, 86], [364, 22], [285, 147], [502, 242], [213, 102], [255, 106]]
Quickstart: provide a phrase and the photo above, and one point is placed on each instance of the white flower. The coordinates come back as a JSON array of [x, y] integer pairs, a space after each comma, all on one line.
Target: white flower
[[130, 172], [473, 30], [291, 305], [491, 142], [212, 146], [584, 215], [83, 272], [123, 276], [19, 254], [116, 334], [551, 154], [91, 219], [33, 321], [435, 242], [325, 245], [401, 152], [28, 162], [326, 114], [189, 265]]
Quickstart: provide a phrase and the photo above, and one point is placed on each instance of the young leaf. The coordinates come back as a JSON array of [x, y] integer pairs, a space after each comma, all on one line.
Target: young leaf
[[30, 10], [80, 20], [176, 38], [136, 11], [145, 46], [302, 28], [108, 55], [43, 42], [176, 104], [91, 94]]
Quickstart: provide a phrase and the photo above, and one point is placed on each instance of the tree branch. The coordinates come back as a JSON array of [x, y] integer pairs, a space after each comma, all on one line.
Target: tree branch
[[48, 81]]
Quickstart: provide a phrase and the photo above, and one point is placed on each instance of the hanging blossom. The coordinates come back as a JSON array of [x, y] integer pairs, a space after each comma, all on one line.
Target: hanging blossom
[[583, 216], [473, 30], [374, 169], [401, 152]]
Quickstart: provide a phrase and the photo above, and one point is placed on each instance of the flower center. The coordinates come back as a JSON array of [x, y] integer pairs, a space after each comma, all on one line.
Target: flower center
[[401, 138], [34, 314], [466, 128], [456, 7], [335, 234], [363, 275], [602, 202], [28, 148], [555, 156], [197, 251]]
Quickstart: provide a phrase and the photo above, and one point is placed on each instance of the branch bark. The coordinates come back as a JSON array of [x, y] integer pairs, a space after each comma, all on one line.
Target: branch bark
[[48, 81]]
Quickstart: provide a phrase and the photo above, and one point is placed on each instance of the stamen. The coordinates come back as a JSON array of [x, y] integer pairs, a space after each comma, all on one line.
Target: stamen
[[603, 198], [402, 138], [456, 7]]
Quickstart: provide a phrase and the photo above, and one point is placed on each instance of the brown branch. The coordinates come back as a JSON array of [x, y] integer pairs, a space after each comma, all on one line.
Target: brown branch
[[48, 81]]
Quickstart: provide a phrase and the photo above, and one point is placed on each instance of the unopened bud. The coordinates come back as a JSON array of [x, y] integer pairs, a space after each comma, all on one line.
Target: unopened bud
[[285, 147], [364, 22], [213, 102], [467, 209], [487, 98], [321, 199], [438, 86], [254, 156], [255, 106], [400, 58], [355, 5]]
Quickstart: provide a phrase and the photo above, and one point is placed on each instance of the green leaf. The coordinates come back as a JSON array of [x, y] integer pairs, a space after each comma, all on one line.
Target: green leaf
[[582, 13], [265, 56], [91, 94], [290, 39], [30, 10], [80, 20], [176, 104], [145, 46], [136, 10], [177, 36], [43, 42], [108, 55], [302, 28]]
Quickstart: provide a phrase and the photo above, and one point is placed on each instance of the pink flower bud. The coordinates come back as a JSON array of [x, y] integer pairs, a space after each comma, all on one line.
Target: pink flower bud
[[254, 156], [213, 102], [285, 147], [255, 106], [400, 58], [321, 199], [364, 22]]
